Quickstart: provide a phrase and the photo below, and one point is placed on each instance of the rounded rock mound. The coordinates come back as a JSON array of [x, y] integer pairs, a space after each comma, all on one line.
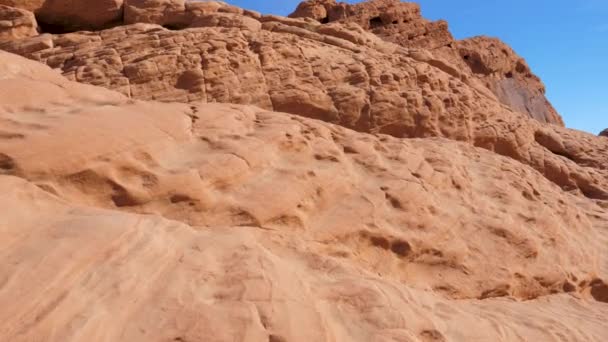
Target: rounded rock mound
[[69, 15], [16, 23], [61, 16], [30, 5]]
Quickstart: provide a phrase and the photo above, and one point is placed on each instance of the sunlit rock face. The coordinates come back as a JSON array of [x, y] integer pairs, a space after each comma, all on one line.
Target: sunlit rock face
[[16, 24], [201, 172], [491, 61]]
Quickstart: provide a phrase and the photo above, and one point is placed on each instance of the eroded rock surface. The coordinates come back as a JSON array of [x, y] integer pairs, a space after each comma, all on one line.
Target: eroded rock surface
[[498, 67], [29, 5], [438, 196], [16, 24], [223, 222], [72, 15], [335, 72], [162, 12], [393, 20]]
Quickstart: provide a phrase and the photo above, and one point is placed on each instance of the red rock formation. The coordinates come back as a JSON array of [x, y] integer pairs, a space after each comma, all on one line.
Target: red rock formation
[[430, 185], [604, 133], [143, 221], [69, 15], [29, 5], [493, 62], [72, 15], [334, 72], [393, 20], [507, 75], [162, 12], [16, 23]]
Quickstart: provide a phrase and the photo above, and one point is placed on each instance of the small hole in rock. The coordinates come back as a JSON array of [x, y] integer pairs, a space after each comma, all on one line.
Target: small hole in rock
[[175, 27], [276, 338], [568, 287], [401, 247], [379, 241], [6, 163], [375, 22]]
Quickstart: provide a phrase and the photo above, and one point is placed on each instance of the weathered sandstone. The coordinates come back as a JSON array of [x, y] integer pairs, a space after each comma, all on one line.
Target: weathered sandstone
[[499, 68], [16, 24], [193, 171], [335, 72], [68, 15], [146, 221], [29, 5]]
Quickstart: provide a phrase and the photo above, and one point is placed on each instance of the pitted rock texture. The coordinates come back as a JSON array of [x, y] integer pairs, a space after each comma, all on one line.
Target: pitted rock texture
[[162, 12], [16, 24], [392, 20], [496, 64], [146, 221], [29, 5], [335, 72], [506, 74]]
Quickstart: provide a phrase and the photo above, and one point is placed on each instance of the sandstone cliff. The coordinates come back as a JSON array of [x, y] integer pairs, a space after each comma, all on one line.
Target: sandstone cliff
[[350, 186]]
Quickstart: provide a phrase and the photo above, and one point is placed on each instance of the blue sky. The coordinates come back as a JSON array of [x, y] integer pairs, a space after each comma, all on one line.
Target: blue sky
[[565, 43]]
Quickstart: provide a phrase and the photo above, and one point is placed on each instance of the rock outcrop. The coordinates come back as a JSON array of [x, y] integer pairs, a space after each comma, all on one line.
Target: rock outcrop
[[486, 61], [335, 72], [604, 133], [29, 5], [16, 24], [334, 176], [500, 69], [70, 15], [392, 20], [161, 12], [506, 74], [187, 224]]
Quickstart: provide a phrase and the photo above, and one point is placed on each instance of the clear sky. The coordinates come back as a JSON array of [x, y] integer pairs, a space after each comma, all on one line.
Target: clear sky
[[564, 42]]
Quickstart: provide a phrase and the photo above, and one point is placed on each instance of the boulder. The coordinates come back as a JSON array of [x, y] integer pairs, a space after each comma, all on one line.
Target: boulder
[[316, 9], [72, 15], [16, 23], [30, 5], [486, 62]]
